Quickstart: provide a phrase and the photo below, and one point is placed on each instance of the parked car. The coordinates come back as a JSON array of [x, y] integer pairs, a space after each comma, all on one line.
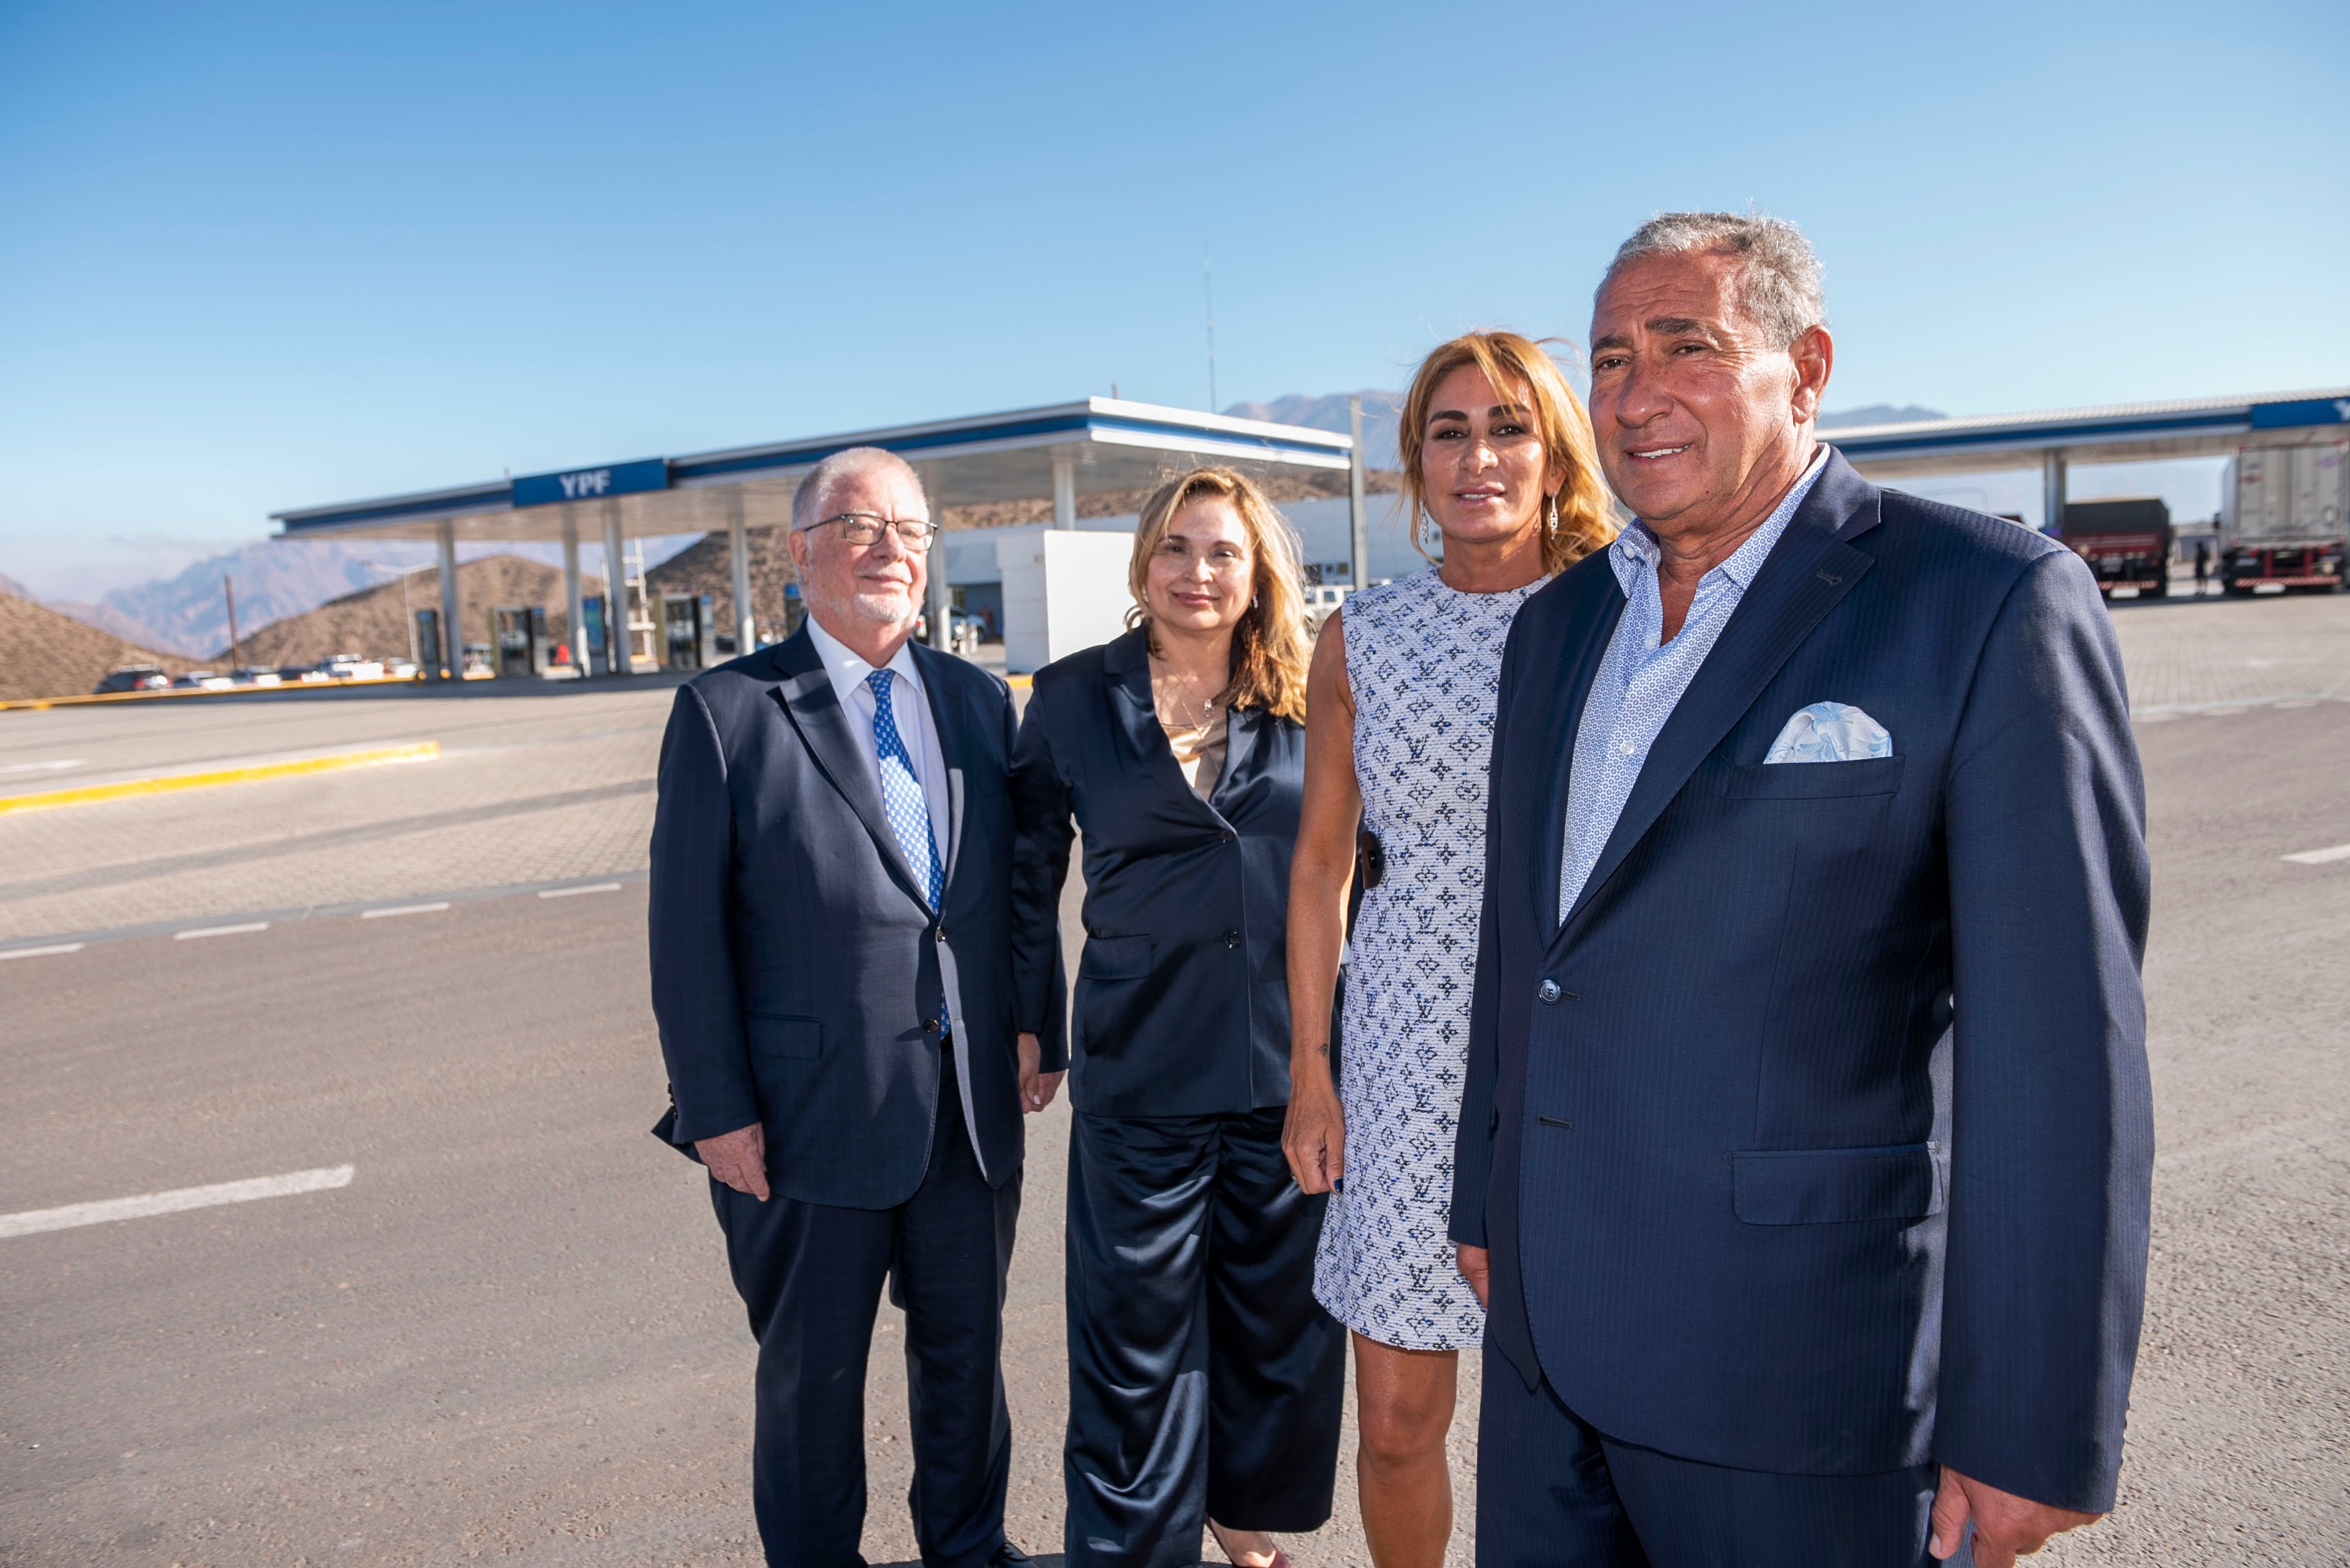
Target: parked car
[[400, 669], [134, 678], [308, 674], [351, 667], [203, 681], [247, 675], [963, 632]]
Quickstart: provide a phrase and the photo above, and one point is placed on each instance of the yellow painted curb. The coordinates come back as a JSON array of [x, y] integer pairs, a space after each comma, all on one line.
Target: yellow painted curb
[[422, 752], [1018, 680]]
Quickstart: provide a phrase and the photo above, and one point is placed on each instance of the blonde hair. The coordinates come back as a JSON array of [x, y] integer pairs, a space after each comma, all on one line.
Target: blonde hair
[[1269, 645], [1580, 520]]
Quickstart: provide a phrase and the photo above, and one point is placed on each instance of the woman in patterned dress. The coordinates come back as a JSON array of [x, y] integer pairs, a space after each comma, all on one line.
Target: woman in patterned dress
[[1400, 728]]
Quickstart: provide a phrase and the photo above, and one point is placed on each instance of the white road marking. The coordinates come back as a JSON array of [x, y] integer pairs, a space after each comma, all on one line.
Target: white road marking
[[404, 909], [41, 953], [35, 1220], [591, 888], [220, 930], [40, 767], [2306, 857]]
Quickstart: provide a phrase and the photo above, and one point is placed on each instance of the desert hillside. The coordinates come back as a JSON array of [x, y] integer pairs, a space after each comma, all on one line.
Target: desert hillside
[[45, 654], [373, 623]]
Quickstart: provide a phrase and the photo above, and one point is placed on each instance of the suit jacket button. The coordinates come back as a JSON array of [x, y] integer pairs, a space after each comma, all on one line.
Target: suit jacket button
[[929, 1026], [1229, 835], [1232, 938], [1547, 990]]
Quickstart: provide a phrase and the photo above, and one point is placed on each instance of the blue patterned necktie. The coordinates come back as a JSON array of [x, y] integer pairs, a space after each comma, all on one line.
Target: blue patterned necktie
[[902, 793]]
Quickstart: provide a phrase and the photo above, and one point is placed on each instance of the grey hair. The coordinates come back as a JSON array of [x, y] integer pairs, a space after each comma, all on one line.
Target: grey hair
[[815, 494], [1779, 272]]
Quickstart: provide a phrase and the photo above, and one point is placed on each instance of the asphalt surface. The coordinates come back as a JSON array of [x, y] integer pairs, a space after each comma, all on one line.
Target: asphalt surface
[[511, 1334]]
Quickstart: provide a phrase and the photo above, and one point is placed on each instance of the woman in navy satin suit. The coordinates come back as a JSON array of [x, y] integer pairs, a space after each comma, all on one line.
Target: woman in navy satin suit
[[1204, 1380]]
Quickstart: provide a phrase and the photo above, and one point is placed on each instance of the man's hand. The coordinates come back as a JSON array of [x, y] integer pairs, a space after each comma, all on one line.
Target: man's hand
[[1476, 1266], [1036, 1089], [2006, 1526], [738, 1158], [1313, 1136]]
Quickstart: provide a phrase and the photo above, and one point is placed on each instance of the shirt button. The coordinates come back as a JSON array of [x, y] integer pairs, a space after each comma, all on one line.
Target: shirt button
[[1625, 747], [1547, 990]]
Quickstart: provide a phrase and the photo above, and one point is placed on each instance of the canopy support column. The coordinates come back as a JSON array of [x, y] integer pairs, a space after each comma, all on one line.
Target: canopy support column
[[2051, 491], [1358, 506], [575, 597], [738, 544], [616, 594], [938, 597], [452, 622], [1065, 488]]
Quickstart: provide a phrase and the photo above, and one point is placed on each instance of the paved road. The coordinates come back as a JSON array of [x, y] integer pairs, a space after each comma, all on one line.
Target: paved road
[[510, 1334]]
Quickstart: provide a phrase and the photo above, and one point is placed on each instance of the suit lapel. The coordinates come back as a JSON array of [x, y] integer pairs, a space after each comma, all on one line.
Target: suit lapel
[[1244, 728], [1126, 664], [950, 711], [809, 700], [1803, 579], [1596, 617]]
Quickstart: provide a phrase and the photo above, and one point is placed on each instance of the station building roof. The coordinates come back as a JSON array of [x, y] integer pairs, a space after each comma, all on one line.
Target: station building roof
[[2121, 432], [1111, 443]]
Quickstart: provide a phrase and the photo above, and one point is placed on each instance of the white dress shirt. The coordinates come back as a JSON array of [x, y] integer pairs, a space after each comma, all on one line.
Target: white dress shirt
[[1642, 679], [918, 730]]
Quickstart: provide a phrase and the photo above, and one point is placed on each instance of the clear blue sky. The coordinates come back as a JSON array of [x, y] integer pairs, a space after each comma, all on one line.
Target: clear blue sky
[[255, 257]]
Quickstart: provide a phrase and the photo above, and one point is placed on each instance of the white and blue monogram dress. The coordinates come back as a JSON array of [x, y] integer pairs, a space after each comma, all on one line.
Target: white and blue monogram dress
[[1424, 662]]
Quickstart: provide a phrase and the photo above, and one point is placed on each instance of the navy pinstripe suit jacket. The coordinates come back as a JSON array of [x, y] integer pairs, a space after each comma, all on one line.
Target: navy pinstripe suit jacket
[[799, 970], [1751, 1199]]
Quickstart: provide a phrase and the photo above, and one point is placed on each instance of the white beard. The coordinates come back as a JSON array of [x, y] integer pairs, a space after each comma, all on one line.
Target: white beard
[[887, 610]]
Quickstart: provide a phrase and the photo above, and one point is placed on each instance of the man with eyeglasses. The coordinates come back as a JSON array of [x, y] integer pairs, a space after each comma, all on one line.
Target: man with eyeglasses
[[832, 976]]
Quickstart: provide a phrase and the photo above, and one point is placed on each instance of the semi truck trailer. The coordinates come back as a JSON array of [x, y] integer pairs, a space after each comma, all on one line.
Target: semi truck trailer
[[2282, 524], [2125, 542]]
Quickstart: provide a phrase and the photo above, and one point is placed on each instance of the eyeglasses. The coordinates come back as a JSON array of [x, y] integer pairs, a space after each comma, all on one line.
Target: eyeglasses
[[864, 528]]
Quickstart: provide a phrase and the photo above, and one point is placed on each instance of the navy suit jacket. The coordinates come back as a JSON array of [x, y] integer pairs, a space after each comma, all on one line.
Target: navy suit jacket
[[1752, 1199], [799, 973], [1182, 992]]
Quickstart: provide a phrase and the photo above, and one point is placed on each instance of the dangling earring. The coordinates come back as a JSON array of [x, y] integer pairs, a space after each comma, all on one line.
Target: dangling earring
[[1552, 526], [1256, 601]]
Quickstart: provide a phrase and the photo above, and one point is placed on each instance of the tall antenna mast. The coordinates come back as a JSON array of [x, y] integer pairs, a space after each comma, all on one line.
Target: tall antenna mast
[[1207, 275]]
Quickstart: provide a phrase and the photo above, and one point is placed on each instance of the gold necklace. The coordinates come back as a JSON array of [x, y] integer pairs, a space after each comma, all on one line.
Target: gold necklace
[[1207, 714]]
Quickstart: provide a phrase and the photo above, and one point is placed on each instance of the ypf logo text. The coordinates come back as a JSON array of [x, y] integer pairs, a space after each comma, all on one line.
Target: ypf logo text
[[586, 483]]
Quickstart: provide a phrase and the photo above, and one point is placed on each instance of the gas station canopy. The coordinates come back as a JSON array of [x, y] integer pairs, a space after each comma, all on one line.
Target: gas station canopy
[[1101, 444], [2127, 432]]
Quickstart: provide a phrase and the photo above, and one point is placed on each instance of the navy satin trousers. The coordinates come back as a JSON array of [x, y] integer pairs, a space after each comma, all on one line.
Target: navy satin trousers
[[1205, 1381], [811, 1276], [1552, 1491]]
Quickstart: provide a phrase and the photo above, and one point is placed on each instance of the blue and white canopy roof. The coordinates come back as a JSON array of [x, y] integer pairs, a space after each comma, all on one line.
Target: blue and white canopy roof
[[1114, 445], [2125, 433]]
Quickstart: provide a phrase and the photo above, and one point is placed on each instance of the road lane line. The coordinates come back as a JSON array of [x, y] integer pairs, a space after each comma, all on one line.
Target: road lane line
[[422, 752], [36, 1220], [591, 888], [40, 767], [220, 930], [43, 953], [404, 909], [2320, 857]]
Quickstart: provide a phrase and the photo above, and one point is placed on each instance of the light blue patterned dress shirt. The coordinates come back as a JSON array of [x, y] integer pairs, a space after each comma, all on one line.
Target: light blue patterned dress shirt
[[1640, 681]]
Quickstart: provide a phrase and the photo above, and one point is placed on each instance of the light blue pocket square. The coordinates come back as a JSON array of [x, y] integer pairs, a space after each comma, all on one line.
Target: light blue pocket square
[[1830, 733]]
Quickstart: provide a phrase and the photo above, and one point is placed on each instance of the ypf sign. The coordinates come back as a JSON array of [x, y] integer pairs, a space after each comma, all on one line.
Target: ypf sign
[[591, 484]]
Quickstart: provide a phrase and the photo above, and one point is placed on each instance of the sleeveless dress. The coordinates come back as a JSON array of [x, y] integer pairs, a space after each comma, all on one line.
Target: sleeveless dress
[[1424, 662]]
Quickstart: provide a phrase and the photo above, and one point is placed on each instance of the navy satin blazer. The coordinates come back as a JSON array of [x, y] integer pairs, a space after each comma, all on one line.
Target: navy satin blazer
[[799, 973], [1751, 1199], [1182, 993]]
